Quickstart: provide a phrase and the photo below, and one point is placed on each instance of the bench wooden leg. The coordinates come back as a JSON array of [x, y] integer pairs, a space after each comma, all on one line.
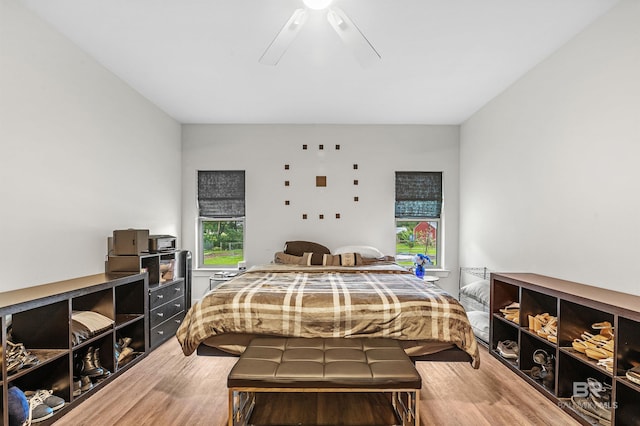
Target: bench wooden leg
[[241, 405], [406, 406]]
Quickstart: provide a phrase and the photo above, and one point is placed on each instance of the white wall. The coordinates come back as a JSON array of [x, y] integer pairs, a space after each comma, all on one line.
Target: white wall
[[550, 181], [82, 154], [263, 150]]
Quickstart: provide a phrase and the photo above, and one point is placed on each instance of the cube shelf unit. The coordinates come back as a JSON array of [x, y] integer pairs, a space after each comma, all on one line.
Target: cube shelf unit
[[40, 319], [169, 295], [577, 307]]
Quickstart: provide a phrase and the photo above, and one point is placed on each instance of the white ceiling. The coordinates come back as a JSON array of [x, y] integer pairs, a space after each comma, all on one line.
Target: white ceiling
[[442, 60]]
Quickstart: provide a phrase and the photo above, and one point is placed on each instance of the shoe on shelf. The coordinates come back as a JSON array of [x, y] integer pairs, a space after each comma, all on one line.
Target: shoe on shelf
[[19, 357], [96, 361], [38, 410], [607, 363], [89, 368], [634, 374], [77, 386], [47, 397], [508, 349], [586, 406]]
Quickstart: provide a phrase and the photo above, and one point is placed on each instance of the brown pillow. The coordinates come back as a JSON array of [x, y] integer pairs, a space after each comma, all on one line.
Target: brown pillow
[[287, 259], [298, 248], [312, 259]]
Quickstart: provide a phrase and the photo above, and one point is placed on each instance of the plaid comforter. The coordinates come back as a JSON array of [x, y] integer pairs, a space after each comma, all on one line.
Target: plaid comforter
[[329, 304]]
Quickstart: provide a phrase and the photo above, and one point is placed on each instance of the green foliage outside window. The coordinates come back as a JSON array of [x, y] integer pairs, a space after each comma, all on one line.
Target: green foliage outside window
[[222, 242]]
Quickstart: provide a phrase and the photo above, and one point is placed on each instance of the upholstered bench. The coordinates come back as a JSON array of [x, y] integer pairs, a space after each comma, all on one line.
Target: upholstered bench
[[324, 365]]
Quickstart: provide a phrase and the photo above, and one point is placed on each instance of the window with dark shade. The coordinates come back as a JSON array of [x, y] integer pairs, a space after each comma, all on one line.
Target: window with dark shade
[[418, 194]]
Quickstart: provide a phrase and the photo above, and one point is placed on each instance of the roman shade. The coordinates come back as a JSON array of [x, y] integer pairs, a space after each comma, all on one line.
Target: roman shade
[[418, 194], [221, 193]]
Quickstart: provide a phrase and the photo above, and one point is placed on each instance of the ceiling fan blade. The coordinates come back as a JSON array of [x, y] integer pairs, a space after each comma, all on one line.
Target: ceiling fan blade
[[287, 34], [352, 37]]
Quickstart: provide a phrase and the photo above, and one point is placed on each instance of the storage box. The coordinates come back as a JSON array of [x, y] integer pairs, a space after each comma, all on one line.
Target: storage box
[[130, 241]]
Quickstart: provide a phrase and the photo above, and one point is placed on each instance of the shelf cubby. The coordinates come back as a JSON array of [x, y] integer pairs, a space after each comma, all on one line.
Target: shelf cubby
[[628, 349], [576, 318], [627, 405]]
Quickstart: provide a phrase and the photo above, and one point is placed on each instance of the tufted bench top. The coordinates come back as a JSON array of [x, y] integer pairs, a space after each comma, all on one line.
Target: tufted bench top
[[324, 363]]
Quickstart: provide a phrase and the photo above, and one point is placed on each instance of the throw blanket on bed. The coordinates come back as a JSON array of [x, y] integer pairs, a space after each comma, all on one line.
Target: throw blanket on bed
[[329, 304]]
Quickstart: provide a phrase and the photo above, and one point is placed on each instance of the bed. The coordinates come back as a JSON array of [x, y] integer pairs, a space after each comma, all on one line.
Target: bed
[[369, 299]]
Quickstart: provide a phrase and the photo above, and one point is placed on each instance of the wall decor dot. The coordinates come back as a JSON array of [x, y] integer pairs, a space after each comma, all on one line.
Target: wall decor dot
[[355, 181], [286, 167], [304, 146], [320, 147], [304, 216], [286, 203], [355, 167], [321, 181], [337, 147], [356, 199], [337, 215], [286, 183], [321, 216]]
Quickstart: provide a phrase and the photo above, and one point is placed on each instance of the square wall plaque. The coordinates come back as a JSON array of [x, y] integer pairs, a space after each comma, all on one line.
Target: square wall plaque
[[321, 181]]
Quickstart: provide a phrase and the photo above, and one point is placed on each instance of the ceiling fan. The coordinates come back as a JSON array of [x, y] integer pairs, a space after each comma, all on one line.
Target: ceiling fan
[[350, 34]]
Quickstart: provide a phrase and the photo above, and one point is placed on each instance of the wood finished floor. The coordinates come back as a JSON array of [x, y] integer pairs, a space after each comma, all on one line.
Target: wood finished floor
[[167, 388]]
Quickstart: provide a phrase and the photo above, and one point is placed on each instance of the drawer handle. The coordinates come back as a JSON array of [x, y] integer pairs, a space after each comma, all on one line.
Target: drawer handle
[[160, 296], [177, 305], [161, 332], [178, 321], [160, 314], [177, 289]]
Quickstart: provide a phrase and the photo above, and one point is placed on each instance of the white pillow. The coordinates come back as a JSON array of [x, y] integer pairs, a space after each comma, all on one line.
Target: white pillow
[[480, 324], [478, 290], [364, 251]]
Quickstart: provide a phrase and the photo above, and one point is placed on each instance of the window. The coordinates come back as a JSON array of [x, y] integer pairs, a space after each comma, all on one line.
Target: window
[[418, 211], [221, 211]]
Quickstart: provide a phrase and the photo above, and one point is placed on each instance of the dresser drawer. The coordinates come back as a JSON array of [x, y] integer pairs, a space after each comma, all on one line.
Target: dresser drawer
[[165, 330], [162, 295], [166, 311]]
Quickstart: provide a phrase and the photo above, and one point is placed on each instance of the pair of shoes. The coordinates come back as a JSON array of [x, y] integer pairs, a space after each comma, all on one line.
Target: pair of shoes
[[545, 371], [511, 312], [545, 326], [19, 357], [597, 404], [634, 374], [42, 404], [508, 349], [47, 397], [595, 346], [91, 365], [81, 385], [124, 352]]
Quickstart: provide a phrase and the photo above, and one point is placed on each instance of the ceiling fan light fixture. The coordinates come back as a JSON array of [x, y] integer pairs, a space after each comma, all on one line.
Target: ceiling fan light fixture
[[317, 4]]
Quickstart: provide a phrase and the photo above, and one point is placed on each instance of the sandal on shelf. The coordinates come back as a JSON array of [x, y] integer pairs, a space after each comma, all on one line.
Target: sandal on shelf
[[607, 363], [634, 374], [598, 353], [515, 306], [602, 325], [508, 349]]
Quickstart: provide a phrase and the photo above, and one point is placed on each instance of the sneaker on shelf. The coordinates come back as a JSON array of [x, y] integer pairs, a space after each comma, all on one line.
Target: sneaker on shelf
[[77, 386], [38, 410], [508, 349], [47, 397]]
